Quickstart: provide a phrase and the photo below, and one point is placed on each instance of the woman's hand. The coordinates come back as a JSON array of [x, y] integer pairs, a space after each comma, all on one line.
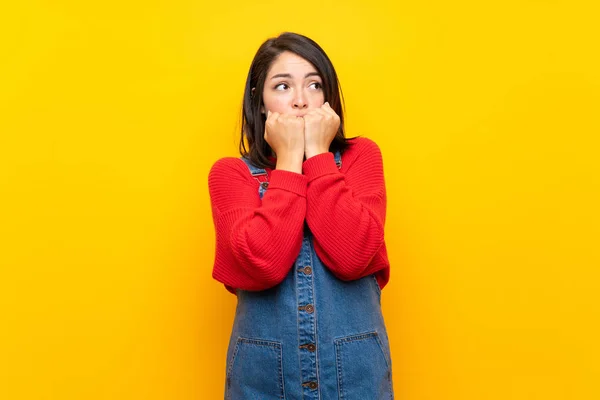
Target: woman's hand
[[320, 127], [285, 135]]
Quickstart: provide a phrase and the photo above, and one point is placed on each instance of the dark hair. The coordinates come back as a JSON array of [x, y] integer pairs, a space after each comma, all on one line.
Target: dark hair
[[253, 120]]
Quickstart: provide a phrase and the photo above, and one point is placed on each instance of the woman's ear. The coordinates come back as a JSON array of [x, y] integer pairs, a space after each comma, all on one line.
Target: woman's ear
[[262, 108]]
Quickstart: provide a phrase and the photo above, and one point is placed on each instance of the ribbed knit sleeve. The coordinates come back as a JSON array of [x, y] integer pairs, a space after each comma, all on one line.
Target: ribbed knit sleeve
[[257, 241], [346, 211]]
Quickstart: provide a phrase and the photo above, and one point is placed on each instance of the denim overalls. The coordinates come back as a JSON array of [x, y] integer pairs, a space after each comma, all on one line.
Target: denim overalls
[[312, 336]]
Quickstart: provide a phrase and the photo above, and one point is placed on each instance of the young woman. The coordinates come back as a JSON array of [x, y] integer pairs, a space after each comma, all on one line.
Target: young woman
[[299, 222]]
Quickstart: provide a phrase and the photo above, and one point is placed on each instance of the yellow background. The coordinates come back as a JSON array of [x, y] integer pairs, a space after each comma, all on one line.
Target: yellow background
[[112, 112]]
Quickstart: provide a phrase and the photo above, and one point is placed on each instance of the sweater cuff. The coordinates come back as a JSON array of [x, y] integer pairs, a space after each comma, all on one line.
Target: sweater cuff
[[290, 181], [319, 165]]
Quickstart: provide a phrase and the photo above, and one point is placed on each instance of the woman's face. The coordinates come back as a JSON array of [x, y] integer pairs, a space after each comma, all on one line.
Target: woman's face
[[292, 86]]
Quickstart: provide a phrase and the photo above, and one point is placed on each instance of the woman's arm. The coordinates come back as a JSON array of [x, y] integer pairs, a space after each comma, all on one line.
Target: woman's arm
[[256, 241], [346, 211]]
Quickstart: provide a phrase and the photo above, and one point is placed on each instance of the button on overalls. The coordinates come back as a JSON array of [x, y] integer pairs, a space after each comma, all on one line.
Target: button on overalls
[[313, 336]]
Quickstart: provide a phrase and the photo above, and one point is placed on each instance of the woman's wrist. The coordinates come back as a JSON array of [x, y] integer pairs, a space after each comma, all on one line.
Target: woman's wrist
[[290, 162], [311, 152]]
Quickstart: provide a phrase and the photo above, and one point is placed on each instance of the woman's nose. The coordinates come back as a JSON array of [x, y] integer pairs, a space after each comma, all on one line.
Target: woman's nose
[[300, 101]]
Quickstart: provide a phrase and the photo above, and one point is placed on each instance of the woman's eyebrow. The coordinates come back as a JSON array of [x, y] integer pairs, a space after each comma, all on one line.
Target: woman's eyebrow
[[289, 76]]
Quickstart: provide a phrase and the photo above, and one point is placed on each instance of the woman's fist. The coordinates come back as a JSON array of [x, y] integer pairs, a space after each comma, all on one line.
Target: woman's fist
[[320, 127], [285, 134]]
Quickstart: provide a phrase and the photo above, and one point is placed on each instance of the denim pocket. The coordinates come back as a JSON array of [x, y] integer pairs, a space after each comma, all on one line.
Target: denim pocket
[[255, 370], [363, 368]]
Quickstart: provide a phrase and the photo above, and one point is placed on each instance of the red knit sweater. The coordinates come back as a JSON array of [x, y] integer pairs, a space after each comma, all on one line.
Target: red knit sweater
[[258, 241]]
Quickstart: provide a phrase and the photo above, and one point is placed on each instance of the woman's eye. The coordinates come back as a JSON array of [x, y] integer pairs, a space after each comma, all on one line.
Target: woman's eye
[[281, 86], [315, 85]]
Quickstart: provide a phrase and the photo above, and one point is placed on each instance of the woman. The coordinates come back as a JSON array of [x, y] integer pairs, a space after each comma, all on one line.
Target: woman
[[299, 222]]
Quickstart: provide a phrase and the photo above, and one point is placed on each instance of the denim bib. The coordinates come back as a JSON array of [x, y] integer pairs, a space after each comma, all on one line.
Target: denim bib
[[311, 337]]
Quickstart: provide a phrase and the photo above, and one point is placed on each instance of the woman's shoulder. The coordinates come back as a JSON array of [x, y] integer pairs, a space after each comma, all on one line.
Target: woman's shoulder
[[228, 167], [362, 145]]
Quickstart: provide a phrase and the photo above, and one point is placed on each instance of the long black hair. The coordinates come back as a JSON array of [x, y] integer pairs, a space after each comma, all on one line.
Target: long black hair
[[253, 120]]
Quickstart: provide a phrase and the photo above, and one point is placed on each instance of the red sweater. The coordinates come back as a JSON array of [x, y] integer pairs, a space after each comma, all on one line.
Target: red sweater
[[258, 241]]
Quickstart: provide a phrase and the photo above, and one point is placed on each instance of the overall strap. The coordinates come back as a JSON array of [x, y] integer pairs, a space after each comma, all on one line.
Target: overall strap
[[260, 175], [254, 171], [338, 159]]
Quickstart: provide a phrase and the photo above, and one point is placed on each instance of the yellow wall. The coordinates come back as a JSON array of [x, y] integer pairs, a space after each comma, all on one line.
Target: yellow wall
[[112, 112]]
